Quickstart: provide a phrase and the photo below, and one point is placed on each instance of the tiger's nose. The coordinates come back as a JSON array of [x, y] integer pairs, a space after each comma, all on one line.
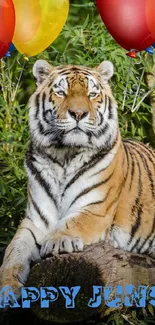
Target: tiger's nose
[[79, 114]]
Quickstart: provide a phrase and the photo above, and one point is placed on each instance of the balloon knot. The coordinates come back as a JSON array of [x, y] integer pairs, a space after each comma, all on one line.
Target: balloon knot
[[132, 54], [26, 58]]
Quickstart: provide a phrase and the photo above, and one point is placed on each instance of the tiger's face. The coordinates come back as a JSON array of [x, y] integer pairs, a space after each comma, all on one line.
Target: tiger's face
[[73, 106]]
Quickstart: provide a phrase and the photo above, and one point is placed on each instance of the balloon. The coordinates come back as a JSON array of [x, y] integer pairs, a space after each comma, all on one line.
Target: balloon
[[149, 50], [10, 49], [38, 24], [126, 21], [7, 25], [150, 15]]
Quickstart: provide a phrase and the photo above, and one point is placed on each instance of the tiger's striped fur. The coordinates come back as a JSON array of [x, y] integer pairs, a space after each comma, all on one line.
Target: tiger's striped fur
[[84, 182]]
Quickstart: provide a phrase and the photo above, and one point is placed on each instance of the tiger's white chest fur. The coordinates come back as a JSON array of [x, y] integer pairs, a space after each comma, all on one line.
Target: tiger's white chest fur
[[58, 183]]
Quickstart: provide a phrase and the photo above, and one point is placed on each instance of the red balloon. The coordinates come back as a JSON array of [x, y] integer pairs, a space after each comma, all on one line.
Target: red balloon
[[7, 25], [126, 22]]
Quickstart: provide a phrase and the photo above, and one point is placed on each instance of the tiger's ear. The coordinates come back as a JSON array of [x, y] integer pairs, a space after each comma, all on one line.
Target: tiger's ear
[[41, 70], [106, 69]]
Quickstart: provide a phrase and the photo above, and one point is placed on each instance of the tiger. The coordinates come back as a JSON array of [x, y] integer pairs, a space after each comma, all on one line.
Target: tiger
[[85, 183]]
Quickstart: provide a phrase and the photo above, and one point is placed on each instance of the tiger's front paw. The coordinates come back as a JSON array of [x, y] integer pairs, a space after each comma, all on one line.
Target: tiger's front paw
[[63, 244], [13, 276]]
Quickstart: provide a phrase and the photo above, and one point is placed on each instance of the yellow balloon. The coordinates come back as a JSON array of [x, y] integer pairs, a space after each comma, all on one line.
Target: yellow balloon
[[38, 24]]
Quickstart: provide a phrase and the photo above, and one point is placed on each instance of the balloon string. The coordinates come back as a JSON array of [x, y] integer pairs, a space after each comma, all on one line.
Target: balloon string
[[127, 84], [19, 79], [138, 88], [8, 70], [9, 77], [146, 94]]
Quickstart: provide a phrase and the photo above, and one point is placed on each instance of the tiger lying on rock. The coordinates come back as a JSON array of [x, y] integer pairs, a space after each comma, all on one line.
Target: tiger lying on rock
[[84, 182]]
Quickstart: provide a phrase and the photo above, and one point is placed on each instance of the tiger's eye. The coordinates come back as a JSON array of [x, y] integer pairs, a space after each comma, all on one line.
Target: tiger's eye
[[60, 93], [93, 95]]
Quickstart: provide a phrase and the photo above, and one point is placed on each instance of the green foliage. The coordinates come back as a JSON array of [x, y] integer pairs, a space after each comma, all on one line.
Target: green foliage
[[85, 41], [13, 142], [130, 316]]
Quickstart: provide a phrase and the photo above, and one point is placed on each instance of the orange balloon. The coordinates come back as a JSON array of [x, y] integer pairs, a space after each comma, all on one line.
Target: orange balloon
[[38, 24], [28, 16], [150, 16]]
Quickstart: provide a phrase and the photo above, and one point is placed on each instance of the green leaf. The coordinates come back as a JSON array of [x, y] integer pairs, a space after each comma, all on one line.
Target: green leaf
[[151, 309], [2, 102]]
